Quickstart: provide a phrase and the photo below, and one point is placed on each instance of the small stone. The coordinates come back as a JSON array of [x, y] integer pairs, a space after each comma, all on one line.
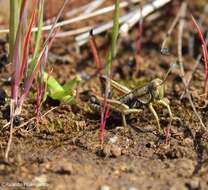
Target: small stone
[[115, 151], [112, 150], [65, 168], [194, 184], [124, 151], [164, 146], [104, 187], [40, 181], [18, 120], [2, 167], [106, 150], [113, 139], [150, 144], [132, 188], [188, 141]]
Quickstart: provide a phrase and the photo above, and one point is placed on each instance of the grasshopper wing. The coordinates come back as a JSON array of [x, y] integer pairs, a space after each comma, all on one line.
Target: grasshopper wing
[[118, 87], [115, 104]]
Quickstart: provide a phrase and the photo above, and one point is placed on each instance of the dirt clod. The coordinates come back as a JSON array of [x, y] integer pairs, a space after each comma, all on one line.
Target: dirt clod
[[112, 150]]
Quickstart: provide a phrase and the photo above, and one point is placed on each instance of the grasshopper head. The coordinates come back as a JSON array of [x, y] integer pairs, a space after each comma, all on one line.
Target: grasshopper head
[[157, 89]]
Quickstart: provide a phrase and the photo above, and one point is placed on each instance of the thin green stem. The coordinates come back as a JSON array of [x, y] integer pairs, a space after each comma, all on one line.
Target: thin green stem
[[115, 31], [14, 14], [38, 37]]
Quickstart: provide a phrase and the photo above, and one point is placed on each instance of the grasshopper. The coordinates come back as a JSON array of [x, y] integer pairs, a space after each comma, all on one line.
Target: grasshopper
[[133, 100]]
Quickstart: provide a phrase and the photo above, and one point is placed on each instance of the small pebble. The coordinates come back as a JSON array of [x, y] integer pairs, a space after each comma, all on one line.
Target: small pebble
[[18, 120], [65, 168], [150, 144], [113, 139], [188, 141], [106, 150], [112, 150], [105, 187], [132, 188], [41, 181], [194, 184], [115, 151]]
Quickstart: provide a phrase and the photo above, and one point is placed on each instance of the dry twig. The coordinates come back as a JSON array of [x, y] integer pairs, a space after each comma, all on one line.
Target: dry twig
[[180, 59], [80, 18], [128, 20], [146, 10], [168, 34], [198, 60]]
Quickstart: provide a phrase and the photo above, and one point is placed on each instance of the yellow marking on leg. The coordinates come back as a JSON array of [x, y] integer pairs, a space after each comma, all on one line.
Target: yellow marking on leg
[[156, 116], [164, 103], [129, 111]]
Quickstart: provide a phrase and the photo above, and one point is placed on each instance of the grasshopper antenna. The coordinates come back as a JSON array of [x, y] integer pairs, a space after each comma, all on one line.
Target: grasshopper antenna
[[172, 66]]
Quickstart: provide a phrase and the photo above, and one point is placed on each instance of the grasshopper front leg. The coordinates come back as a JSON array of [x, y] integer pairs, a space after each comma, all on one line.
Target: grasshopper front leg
[[150, 105], [165, 103]]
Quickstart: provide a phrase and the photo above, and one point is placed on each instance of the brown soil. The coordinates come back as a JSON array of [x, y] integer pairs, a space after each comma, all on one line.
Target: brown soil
[[63, 151]]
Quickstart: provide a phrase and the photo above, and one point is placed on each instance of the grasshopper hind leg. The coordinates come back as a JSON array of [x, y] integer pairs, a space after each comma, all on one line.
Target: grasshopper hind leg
[[127, 112]]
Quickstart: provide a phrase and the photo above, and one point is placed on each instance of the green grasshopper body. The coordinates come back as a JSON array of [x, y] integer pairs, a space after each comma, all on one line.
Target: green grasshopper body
[[133, 100]]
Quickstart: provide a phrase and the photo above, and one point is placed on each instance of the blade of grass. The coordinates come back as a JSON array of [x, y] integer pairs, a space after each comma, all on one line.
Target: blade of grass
[[18, 97], [115, 31], [16, 52], [47, 43], [26, 45], [14, 14], [31, 78], [41, 87], [38, 36], [111, 53]]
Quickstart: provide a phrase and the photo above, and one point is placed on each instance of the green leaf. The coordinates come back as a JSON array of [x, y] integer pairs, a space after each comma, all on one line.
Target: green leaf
[[63, 93], [70, 85]]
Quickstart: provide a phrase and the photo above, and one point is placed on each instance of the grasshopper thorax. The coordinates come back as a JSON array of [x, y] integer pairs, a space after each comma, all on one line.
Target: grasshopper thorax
[[157, 89]]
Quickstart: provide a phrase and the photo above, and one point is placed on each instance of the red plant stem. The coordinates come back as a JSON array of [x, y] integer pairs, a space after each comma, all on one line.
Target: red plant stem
[[40, 92], [26, 43], [167, 134], [204, 50], [105, 106], [104, 116], [41, 87], [29, 81], [93, 47], [15, 60]]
